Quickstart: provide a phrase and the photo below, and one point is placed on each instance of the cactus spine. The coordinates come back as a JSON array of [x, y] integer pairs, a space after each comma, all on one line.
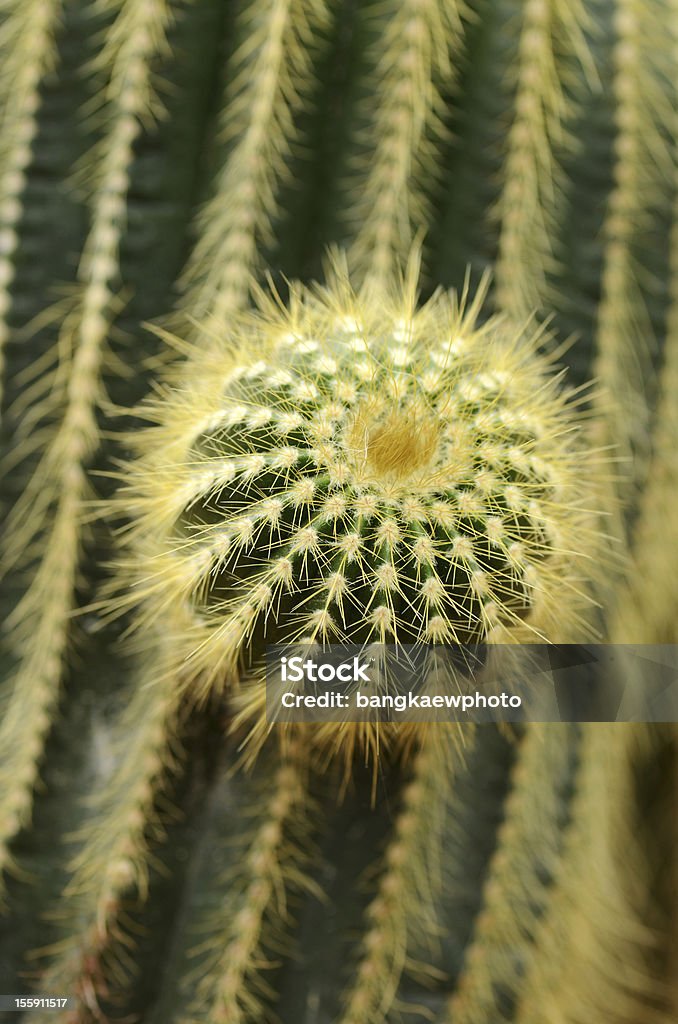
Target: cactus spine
[[46, 521], [27, 53]]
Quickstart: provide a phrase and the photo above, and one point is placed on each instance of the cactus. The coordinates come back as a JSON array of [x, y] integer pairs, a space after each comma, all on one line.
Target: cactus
[[399, 441], [357, 472]]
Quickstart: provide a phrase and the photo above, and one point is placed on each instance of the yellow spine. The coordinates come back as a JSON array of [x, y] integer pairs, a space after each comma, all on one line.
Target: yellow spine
[[642, 174], [515, 893], [263, 97], [592, 926], [646, 610], [405, 901], [27, 53], [112, 859], [417, 51], [227, 992], [552, 32], [46, 522]]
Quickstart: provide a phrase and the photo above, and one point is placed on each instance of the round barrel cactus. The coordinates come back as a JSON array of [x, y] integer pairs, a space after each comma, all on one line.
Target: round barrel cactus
[[356, 470]]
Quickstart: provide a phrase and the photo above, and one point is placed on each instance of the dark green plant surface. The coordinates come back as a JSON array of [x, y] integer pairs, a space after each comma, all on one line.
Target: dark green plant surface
[[157, 160]]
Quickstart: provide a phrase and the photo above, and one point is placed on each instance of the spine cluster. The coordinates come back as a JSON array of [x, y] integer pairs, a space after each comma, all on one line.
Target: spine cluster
[[258, 121], [415, 61], [552, 37], [46, 522], [27, 52], [643, 170]]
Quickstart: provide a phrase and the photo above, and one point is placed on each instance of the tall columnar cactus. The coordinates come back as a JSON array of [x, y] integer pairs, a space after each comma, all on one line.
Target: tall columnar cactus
[[372, 456]]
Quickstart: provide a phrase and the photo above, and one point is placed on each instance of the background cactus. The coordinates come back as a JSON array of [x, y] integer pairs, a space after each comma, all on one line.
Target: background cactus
[[485, 876]]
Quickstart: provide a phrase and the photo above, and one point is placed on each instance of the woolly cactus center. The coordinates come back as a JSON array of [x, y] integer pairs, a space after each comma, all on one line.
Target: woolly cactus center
[[393, 445]]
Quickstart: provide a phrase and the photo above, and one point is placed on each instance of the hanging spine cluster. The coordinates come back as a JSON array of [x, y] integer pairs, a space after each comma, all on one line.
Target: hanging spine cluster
[[242, 929], [111, 862], [645, 612], [591, 922], [643, 164], [264, 93], [415, 57], [403, 909], [46, 522], [552, 44], [518, 885], [27, 54]]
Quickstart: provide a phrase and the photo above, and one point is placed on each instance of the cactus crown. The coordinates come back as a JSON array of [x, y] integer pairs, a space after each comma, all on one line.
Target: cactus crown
[[361, 471]]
